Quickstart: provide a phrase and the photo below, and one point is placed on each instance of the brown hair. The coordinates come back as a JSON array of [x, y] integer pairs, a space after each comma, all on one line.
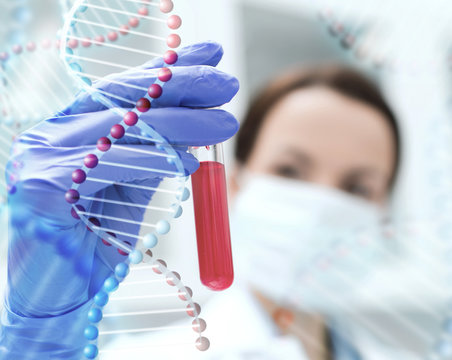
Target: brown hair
[[341, 79]]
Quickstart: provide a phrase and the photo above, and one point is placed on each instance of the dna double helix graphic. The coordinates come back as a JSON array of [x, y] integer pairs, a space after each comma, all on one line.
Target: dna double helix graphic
[[159, 188]]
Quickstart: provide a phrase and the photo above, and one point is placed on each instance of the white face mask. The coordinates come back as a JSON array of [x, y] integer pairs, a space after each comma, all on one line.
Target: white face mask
[[301, 244]]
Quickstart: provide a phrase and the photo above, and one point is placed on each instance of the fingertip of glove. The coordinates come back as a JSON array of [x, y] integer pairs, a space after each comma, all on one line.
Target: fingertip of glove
[[216, 52], [205, 53], [229, 125], [223, 84], [234, 85]]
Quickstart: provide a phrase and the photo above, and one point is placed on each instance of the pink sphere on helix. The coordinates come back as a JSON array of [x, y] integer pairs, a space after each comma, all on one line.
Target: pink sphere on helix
[[134, 22], [173, 41], [57, 43], [166, 6], [13, 177], [184, 295], [173, 278], [124, 29], [104, 144], [78, 176], [130, 118], [199, 325], [143, 11], [143, 105], [191, 310], [72, 196], [74, 212], [156, 268], [165, 74], [99, 39], [86, 42], [170, 57], [46, 43], [122, 252], [202, 344], [155, 91], [4, 56], [117, 131], [174, 22], [72, 43], [17, 49], [112, 36], [91, 161], [106, 243], [31, 46], [94, 221]]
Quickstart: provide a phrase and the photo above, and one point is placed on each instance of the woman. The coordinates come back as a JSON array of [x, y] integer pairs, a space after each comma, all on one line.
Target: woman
[[317, 154]]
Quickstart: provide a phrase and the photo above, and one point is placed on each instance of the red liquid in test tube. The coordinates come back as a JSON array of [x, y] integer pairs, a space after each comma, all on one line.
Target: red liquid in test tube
[[212, 219]]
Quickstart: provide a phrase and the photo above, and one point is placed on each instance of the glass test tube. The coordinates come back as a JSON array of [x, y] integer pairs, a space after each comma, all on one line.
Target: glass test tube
[[212, 218]]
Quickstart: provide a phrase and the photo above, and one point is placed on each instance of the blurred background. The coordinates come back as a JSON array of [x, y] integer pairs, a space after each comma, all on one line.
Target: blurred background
[[405, 46]]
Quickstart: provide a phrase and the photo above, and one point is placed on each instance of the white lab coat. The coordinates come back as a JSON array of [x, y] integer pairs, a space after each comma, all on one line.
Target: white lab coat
[[239, 329]]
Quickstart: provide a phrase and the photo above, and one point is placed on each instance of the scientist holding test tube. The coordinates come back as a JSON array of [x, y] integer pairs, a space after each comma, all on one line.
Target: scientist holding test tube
[[318, 152], [49, 295]]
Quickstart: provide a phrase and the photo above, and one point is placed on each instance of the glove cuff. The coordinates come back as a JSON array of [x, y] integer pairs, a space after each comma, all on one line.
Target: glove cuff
[[59, 337]]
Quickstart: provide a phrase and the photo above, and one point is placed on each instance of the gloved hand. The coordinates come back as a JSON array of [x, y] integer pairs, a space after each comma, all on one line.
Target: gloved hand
[[55, 265]]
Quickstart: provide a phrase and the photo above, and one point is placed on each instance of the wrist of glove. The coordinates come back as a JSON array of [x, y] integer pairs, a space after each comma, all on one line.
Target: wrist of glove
[[50, 338]]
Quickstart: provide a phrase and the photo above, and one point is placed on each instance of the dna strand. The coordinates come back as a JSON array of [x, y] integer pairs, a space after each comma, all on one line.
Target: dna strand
[[129, 230], [374, 35], [404, 246], [66, 6], [349, 263], [37, 68], [16, 17], [133, 290], [378, 33]]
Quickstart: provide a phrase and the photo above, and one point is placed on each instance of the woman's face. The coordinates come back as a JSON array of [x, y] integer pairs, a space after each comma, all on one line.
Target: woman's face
[[321, 136]]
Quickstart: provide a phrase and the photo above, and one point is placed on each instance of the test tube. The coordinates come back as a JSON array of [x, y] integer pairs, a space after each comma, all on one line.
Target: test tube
[[212, 218]]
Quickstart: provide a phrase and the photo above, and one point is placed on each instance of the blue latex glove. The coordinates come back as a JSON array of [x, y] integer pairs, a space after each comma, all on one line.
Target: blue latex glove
[[55, 265]]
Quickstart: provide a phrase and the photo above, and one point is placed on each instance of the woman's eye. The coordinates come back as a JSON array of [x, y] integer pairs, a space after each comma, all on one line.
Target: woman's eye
[[287, 171], [359, 190]]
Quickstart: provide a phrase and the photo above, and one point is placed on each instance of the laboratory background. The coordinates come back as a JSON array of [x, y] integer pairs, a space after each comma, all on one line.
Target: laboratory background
[[385, 292]]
